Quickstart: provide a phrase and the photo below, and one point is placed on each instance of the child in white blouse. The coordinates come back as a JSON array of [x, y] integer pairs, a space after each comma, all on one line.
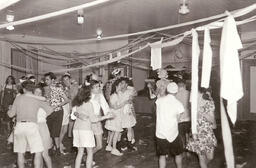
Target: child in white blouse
[[82, 131]]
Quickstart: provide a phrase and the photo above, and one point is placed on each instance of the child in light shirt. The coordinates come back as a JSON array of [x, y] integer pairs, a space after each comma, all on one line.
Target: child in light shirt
[[168, 140], [82, 131]]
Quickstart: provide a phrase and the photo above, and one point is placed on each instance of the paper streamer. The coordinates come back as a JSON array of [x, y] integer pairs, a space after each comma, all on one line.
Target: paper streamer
[[6, 3], [194, 81], [236, 13], [207, 60]]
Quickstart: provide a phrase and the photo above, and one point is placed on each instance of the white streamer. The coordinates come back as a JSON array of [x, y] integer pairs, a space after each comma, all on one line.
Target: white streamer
[[53, 14], [6, 3], [235, 13]]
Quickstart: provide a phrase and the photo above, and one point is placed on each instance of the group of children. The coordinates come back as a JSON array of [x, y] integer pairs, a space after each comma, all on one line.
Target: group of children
[[119, 115], [44, 113], [47, 109], [173, 135]]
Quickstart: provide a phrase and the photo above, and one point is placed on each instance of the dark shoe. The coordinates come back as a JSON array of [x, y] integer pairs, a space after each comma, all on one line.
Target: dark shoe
[[64, 152], [131, 147], [72, 150], [119, 145], [122, 145], [52, 152], [58, 153]]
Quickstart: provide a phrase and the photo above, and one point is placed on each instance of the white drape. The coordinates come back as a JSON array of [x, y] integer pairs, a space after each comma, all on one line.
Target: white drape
[[194, 81], [207, 59], [231, 79], [156, 55]]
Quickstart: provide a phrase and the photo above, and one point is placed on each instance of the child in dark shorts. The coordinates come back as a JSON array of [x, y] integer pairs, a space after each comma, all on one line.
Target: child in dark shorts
[[164, 147], [168, 140]]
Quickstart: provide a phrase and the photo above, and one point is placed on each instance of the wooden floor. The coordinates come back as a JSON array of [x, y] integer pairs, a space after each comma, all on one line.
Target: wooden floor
[[244, 137]]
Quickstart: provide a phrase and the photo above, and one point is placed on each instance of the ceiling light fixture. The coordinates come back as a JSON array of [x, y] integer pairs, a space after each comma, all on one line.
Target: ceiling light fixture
[[10, 27], [80, 16], [183, 7], [99, 33], [10, 18]]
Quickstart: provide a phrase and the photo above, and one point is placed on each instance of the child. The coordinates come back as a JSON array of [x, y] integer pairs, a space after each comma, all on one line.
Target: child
[[115, 125], [184, 120], [204, 142], [82, 131], [128, 113], [99, 102], [168, 140], [26, 133], [43, 130]]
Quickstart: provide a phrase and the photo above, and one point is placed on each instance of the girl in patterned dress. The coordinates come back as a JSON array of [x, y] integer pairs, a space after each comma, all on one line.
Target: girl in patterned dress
[[8, 95], [204, 142]]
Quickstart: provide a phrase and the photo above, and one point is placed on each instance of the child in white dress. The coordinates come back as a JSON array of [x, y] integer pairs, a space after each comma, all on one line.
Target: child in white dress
[[99, 102], [44, 130], [128, 114], [115, 125]]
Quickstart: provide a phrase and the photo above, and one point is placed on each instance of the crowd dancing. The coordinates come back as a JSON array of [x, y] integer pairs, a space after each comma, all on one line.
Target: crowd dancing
[[38, 115]]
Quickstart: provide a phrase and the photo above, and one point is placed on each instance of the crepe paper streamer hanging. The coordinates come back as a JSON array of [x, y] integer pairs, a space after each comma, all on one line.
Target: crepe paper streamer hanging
[[101, 63], [242, 22], [49, 62], [53, 14], [230, 73], [207, 60], [237, 13], [188, 32], [156, 55], [33, 55], [146, 68], [97, 55], [19, 68], [219, 23], [238, 23], [231, 83], [6, 3], [172, 42], [194, 80], [38, 53], [227, 137], [167, 62], [66, 55]]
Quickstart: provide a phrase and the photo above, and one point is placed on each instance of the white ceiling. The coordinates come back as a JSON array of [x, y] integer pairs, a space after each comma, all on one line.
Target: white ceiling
[[117, 17]]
